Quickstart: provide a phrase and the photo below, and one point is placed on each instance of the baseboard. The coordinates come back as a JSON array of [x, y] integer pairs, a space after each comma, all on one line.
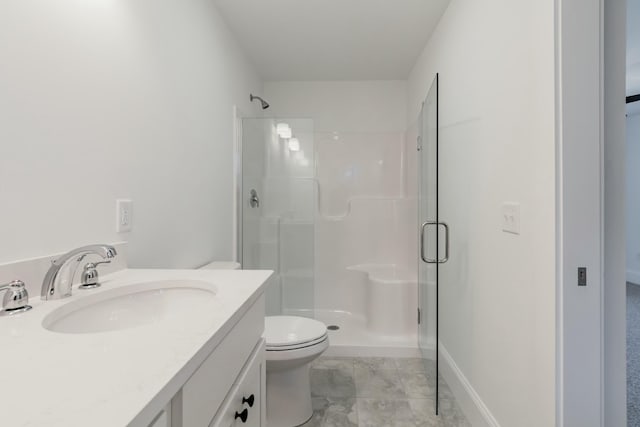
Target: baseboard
[[472, 405], [633, 276]]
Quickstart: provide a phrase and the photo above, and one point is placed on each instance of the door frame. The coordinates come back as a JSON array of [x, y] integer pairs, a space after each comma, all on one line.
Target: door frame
[[590, 323]]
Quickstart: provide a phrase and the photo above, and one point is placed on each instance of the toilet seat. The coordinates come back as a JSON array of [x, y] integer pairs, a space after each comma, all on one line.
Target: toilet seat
[[285, 333], [298, 346], [301, 355], [292, 331]]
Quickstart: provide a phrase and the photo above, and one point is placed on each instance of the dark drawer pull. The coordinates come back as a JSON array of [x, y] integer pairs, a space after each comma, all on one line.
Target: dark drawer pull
[[248, 401], [243, 415]]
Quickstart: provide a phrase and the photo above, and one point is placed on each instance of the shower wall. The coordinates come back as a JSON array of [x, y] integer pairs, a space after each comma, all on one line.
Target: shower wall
[[362, 213], [366, 213]]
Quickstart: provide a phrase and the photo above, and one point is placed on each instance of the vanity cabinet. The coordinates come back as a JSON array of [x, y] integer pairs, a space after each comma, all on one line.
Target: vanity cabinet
[[229, 386]]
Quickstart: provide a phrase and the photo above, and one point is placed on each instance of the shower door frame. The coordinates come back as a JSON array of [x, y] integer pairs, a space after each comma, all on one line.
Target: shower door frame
[[423, 224], [238, 117]]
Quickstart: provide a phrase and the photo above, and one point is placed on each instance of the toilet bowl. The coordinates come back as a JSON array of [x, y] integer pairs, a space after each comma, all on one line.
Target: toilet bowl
[[292, 344]]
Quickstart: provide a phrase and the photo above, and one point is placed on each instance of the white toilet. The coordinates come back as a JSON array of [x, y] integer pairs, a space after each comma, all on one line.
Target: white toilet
[[292, 344]]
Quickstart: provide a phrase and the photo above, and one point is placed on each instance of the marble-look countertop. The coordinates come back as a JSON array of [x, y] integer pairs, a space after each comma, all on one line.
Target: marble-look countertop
[[116, 378]]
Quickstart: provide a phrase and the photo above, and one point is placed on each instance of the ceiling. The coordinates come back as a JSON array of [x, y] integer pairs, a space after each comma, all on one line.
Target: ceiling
[[332, 39]]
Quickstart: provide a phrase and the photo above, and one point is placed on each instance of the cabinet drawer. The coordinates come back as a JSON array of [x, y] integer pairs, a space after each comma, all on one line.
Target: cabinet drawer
[[250, 386], [204, 392]]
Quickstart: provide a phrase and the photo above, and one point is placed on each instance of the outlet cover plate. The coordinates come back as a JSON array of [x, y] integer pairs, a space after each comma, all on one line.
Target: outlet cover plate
[[511, 217], [124, 215]]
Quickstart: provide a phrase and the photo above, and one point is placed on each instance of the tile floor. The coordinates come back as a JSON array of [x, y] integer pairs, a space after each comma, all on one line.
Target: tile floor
[[379, 392]]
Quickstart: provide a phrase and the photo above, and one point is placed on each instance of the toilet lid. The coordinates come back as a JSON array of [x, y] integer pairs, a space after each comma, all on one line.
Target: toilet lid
[[292, 330]]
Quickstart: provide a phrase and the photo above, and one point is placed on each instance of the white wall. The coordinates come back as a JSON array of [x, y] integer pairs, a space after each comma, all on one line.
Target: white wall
[[633, 198], [497, 292], [117, 99]]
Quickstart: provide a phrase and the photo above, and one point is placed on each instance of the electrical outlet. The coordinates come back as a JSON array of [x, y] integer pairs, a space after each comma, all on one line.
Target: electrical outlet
[[511, 218], [124, 215]]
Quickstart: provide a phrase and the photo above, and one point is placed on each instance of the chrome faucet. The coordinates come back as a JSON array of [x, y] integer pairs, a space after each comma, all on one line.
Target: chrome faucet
[[53, 287], [16, 298]]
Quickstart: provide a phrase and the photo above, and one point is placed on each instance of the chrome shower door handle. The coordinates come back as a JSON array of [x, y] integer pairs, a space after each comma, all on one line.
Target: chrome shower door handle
[[254, 200], [423, 254], [446, 242]]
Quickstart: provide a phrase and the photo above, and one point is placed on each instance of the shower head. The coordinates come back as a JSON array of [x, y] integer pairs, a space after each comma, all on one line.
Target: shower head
[[263, 103]]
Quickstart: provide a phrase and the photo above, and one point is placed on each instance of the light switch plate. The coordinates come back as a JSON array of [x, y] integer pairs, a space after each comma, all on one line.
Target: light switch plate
[[124, 215], [511, 218]]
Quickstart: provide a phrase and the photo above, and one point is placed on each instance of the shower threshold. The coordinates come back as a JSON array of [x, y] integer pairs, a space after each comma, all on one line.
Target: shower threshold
[[349, 337]]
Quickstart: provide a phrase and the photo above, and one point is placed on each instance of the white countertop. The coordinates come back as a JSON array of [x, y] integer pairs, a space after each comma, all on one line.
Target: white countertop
[[115, 378]]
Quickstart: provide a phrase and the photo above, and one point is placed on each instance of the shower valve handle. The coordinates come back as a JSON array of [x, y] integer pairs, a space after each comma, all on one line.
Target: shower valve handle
[[254, 200]]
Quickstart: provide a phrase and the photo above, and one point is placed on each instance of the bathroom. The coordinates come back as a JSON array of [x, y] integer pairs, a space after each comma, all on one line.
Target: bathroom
[[324, 214]]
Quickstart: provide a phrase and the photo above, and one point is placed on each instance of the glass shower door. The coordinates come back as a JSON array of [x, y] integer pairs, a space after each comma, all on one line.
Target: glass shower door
[[277, 203], [429, 256]]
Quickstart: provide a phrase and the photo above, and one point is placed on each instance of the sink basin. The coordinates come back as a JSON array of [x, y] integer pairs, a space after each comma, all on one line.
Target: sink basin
[[131, 306]]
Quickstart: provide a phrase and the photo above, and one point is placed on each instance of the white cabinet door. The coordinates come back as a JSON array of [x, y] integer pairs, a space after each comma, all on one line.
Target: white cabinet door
[[163, 419], [245, 405]]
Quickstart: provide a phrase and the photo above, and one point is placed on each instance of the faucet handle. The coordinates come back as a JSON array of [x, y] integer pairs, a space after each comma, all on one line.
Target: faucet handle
[[90, 275], [16, 298], [100, 262]]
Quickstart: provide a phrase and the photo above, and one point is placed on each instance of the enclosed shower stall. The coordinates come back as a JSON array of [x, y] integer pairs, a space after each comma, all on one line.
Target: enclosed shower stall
[[328, 213], [348, 221]]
